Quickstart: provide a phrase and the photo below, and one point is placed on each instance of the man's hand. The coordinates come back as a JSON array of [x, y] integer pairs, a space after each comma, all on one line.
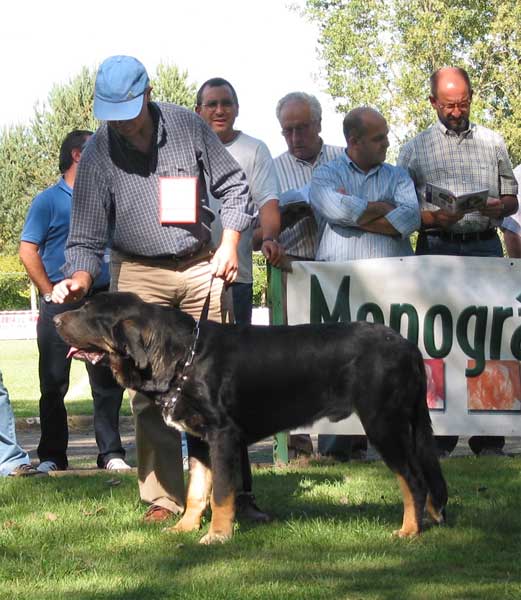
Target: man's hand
[[441, 218], [72, 290], [495, 209], [273, 252], [225, 261]]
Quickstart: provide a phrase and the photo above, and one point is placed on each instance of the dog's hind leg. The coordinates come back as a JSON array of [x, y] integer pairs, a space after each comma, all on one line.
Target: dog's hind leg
[[224, 452], [395, 447], [199, 485]]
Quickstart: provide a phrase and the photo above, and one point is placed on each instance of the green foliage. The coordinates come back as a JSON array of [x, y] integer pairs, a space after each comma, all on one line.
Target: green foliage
[[29, 153], [260, 282], [171, 85], [382, 52], [14, 284]]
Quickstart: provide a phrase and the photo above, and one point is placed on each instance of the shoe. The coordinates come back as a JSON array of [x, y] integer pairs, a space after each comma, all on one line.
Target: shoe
[[24, 470], [156, 514], [492, 452], [117, 464], [246, 508], [47, 466], [358, 455]]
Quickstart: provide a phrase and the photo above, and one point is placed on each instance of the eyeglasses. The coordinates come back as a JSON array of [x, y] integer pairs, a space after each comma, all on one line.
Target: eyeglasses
[[214, 104], [299, 129], [463, 105]]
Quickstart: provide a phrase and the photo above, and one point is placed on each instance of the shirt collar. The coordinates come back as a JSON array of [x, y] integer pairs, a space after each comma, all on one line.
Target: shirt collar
[[449, 132], [64, 186], [307, 163], [354, 166]]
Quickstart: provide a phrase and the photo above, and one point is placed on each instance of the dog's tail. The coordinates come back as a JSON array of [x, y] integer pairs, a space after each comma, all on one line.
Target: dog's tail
[[426, 451]]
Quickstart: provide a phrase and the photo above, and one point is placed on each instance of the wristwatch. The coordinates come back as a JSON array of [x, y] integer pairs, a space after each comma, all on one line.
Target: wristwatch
[[47, 298]]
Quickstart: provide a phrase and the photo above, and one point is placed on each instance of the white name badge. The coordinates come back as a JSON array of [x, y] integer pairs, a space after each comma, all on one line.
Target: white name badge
[[178, 200]]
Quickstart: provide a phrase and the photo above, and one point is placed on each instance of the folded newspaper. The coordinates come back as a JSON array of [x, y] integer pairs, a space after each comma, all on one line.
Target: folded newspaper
[[468, 202]]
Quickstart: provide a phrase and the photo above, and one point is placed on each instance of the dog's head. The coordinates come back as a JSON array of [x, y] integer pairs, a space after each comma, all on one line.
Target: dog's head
[[142, 341]]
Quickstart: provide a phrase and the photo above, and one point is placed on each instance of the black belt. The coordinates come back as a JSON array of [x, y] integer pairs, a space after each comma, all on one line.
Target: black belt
[[471, 236]]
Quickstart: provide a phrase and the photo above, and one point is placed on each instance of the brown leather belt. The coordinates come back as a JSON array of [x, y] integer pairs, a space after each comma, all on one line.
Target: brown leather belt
[[168, 260]]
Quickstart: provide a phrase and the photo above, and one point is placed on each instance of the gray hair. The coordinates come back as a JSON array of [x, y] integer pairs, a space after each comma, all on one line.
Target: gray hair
[[311, 101]]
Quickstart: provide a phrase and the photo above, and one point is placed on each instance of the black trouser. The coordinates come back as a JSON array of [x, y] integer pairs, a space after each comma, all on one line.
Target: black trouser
[[54, 368]]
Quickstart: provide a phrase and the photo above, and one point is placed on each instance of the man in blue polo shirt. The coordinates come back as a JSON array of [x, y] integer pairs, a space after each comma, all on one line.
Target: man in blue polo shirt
[[42, 251]]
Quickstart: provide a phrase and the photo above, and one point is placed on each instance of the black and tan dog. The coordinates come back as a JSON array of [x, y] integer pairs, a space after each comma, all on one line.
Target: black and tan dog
[[227, 384]]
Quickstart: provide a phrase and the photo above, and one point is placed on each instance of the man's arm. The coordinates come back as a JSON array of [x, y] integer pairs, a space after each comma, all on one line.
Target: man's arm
[[34, 266], [269, 216], [513, 243], [330, 199], [227, 183]]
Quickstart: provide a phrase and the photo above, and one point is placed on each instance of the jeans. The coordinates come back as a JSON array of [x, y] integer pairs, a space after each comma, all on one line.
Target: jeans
[[54, 369], [429, 244], [11, 455], [242, 294]]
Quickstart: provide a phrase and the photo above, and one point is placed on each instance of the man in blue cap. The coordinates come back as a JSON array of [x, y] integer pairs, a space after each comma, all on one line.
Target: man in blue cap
[[141, 183]]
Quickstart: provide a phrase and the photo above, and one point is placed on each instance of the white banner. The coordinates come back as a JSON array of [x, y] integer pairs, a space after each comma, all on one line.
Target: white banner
[[464, 314]]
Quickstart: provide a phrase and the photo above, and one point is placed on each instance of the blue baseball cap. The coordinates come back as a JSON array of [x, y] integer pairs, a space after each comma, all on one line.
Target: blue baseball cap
[[120, 84]]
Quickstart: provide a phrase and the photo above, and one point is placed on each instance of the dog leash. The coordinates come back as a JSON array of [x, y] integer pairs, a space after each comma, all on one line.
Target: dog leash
[[170, 403]]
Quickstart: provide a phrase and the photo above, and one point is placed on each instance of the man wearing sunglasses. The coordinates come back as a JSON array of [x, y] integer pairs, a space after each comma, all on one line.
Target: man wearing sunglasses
[[462, 157]]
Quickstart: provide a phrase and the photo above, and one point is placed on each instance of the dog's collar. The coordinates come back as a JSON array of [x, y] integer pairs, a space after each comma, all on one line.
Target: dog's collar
[[182, 378]]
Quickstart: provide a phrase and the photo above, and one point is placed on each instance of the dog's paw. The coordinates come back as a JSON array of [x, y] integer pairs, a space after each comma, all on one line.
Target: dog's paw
[[186, 523], [405, 533], [215, 537]]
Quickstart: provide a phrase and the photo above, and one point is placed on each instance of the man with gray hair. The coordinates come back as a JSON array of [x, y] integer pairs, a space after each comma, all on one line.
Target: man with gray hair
[[300, 118]]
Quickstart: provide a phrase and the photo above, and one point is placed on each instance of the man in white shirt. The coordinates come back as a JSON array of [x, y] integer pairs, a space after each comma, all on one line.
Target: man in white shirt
[[218, 105]]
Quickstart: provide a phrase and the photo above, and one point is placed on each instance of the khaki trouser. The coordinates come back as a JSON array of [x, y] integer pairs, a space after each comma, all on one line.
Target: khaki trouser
[[185, 285]]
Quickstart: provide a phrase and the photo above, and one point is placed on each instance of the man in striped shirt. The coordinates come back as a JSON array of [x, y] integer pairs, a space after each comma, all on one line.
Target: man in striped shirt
[[462, 157], [300, 116], [365, 208]]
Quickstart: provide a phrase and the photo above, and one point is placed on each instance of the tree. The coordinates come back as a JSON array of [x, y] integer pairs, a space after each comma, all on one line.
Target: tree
[[382, 52], [29, 153]]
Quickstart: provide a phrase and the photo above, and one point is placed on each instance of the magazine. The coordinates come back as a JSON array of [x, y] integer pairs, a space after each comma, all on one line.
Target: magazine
[[467, 202]]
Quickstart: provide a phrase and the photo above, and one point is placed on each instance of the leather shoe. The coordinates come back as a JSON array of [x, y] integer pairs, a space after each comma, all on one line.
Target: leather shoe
[[246, 508], [156, 514]]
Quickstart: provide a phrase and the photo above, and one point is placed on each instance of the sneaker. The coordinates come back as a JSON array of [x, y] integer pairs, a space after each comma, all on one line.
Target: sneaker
[[23, 471], [47, 466], [117, 464]]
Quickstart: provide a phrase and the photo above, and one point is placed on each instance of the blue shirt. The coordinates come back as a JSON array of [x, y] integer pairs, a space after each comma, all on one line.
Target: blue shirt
[[47, 226], [340, 238]]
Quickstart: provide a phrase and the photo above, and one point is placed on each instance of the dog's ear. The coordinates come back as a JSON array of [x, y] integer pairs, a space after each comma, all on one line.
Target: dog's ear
[[128, 338]]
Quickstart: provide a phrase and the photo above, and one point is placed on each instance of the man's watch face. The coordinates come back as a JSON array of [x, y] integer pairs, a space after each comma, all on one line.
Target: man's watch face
[[47, 298]]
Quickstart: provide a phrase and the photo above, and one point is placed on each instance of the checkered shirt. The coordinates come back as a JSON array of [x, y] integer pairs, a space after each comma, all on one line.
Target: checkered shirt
[[113, 205], [474, 160]]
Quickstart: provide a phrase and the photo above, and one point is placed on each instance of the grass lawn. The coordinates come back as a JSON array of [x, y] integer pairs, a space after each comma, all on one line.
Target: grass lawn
[[81, 538], [19, 366]]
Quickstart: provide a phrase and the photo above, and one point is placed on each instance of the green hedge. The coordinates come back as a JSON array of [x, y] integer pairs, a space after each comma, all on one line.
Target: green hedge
[[14, 285]]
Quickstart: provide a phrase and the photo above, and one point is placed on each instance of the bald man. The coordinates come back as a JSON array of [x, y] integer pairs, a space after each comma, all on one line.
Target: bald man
[[462, 157]]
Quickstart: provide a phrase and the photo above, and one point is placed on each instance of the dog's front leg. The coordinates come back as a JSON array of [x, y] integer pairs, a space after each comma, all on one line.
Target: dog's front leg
[[224, 453], [199, 485]]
